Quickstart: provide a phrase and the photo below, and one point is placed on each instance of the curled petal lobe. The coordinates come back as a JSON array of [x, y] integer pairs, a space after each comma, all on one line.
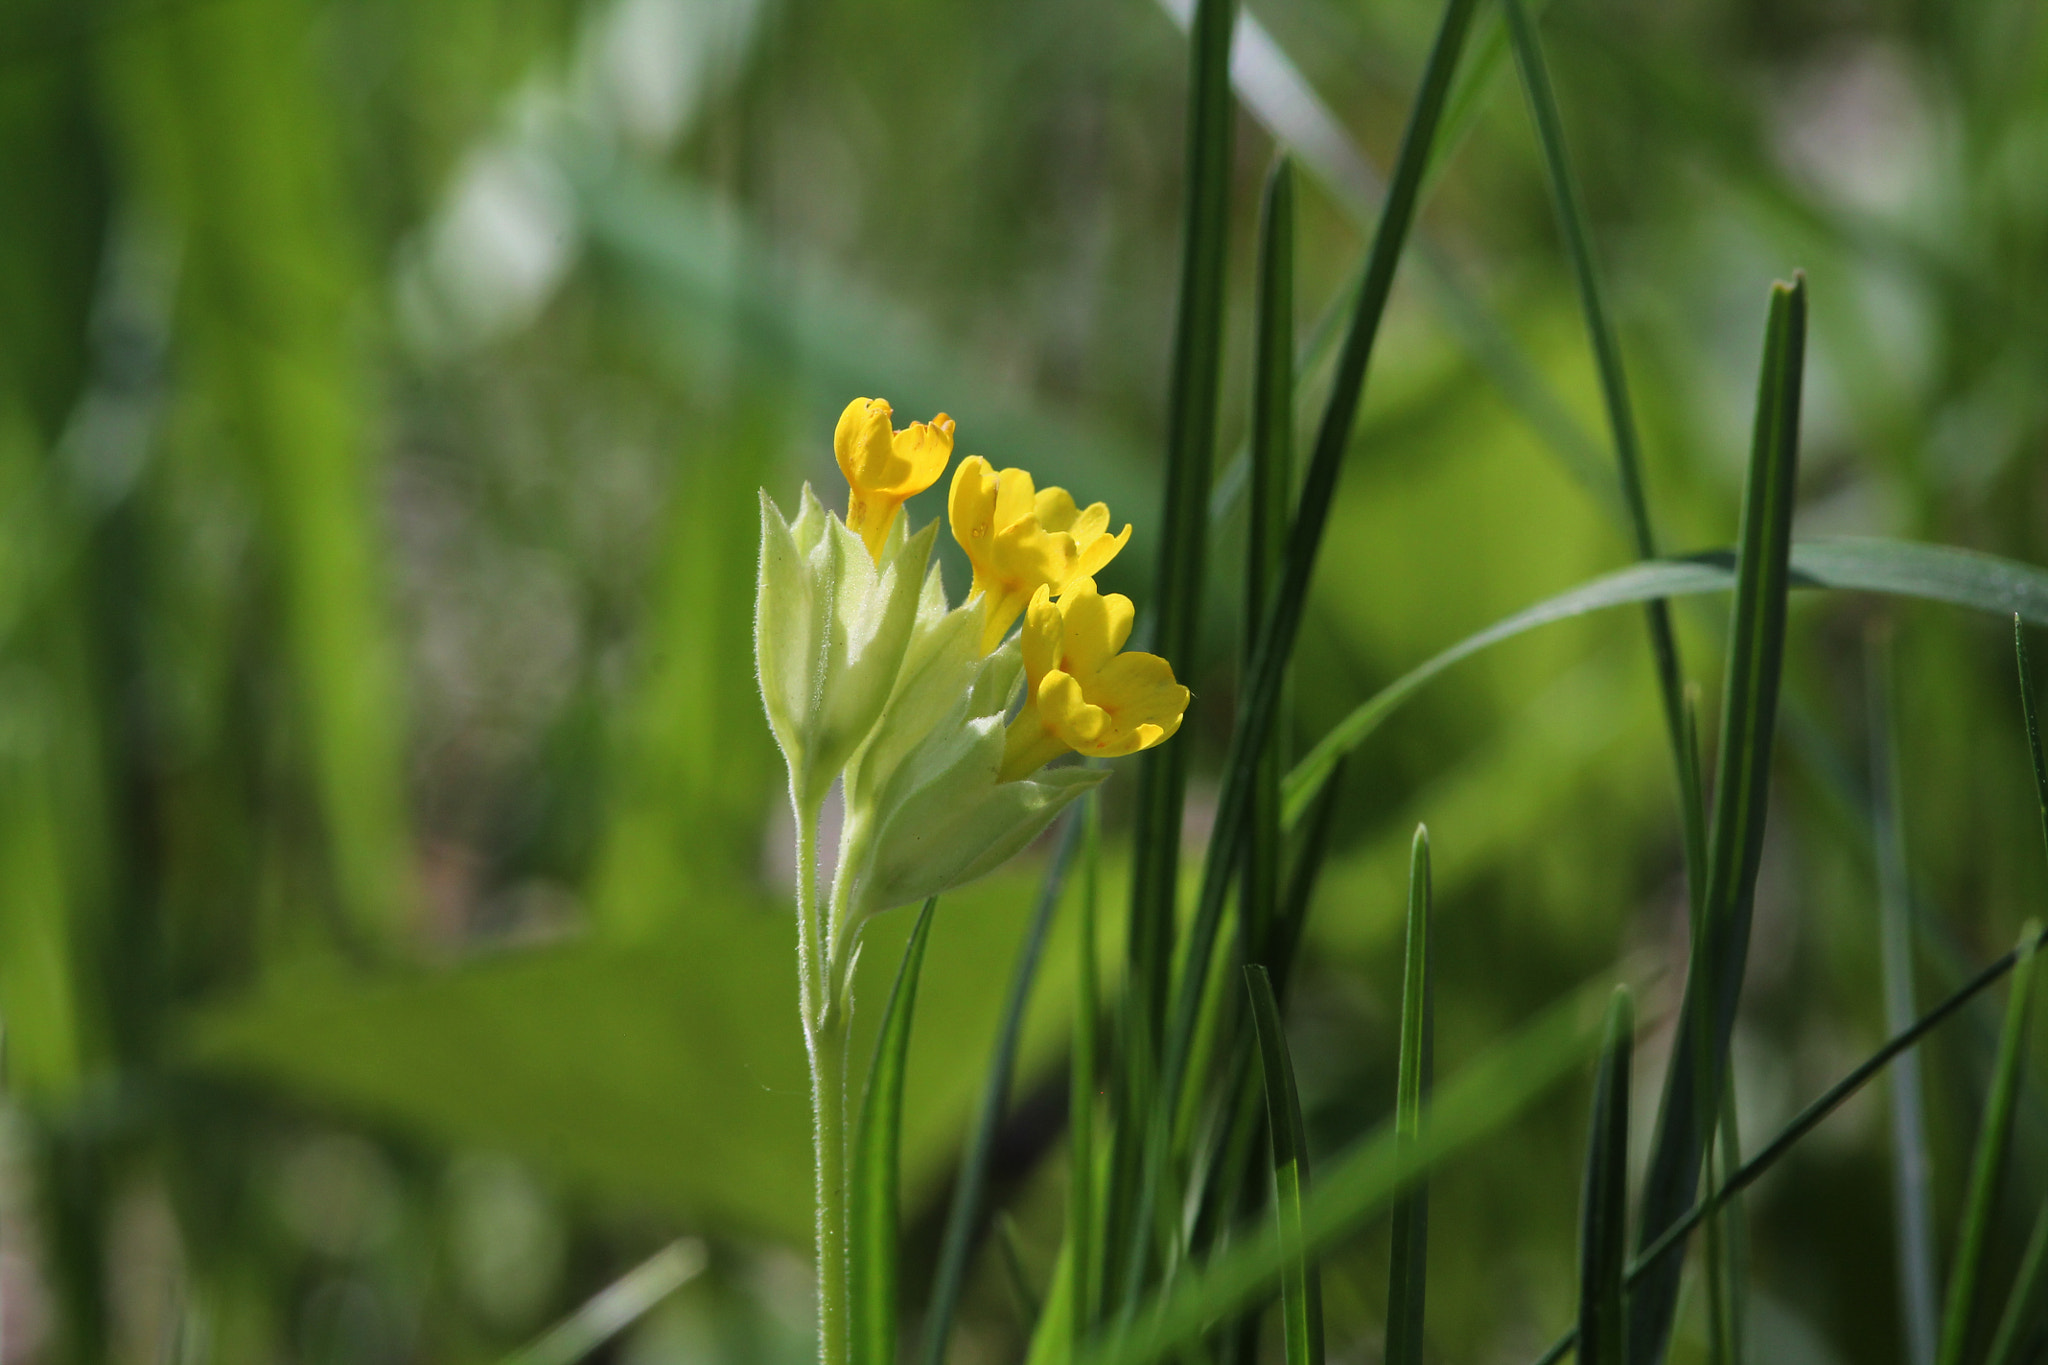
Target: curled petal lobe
[[885, 467]]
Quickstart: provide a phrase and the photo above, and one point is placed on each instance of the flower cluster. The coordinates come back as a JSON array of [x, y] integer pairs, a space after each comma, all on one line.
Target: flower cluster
[[869, 675]]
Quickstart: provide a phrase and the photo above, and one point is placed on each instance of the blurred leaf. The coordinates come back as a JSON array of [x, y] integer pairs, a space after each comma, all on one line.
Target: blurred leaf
[[1408, 1272], [1987, 1163], [1301, 1295], [607, 1062], [1603, 1223], [1718, 960], [876, 1169]]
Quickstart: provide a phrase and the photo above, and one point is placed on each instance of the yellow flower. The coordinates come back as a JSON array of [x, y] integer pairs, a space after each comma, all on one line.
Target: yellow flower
[[1079, 692], [884, 467], [1020, 540]]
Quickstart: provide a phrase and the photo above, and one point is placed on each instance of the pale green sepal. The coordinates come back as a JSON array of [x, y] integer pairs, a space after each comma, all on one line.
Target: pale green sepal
[[830, 631], [938, 818]]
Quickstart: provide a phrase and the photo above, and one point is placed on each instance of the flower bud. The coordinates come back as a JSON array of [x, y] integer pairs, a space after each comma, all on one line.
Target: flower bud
[[831, 625]]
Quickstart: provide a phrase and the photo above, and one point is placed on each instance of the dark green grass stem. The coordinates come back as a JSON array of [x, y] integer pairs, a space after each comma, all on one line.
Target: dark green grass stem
[[1713, 986], [1628, 458], [2023, 1305], [1408, 1261], [963, 1218], [1603, 1212], [1805, 1122], [1081, 1096], [1281, 626], [1987, 1164], [1301, 1297], [1192, 396], [1190, 454], [2019, 645], [1272, 479]]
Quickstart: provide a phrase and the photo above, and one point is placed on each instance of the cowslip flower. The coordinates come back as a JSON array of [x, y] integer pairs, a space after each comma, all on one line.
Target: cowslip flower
[[885, 467], [1080, 692], [1020, 539]]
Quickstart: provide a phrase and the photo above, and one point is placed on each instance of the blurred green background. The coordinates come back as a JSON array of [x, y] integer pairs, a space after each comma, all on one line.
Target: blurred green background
[[393, 942]]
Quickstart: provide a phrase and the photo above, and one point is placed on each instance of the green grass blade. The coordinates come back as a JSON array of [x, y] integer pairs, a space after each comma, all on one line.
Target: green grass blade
[[1621, 422], [1987, 1165], [1362, 1183], [1713, 986], [1407, 1274], [1931, 573], [1807, 1120], [2023, 1305], [877, 1151], [963, 1217], [1301, 1299], [1272, 486], [1603, 1216], [1081, 1265], [1261, 703], [1183, 527], [617, 1306], [1183, 523], [1912, 1165]]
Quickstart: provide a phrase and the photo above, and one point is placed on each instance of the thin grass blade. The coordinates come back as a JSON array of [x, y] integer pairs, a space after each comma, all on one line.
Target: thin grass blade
[[617, 1306], [1407, 1276], [1603, 1216], [1987, 1164], [1272, 486], [963, 1218], [1081, 1267], [2019, 1324], [1713, 986], [1190, 454], [877, 1166], [1361, 1184], [1621, 422], [1912, 1165], [1301, 1297]]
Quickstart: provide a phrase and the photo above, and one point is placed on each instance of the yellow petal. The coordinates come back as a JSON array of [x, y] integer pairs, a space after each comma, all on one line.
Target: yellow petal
[[971, 507], [863, 442], [1095, 628], [1095, 554], [1015, 499]]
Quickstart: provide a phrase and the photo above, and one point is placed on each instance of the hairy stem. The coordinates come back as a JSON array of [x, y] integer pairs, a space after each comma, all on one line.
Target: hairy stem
[[824, 1022]]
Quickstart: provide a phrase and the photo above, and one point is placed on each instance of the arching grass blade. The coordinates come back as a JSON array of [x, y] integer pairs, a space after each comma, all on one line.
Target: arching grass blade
[[1407, 1275], [1987, 1164], [1930, 573], [1912, 1167], [1713, 985], [1603, 1216], [964, 1216], [876, 1167], [1301, 1298]]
